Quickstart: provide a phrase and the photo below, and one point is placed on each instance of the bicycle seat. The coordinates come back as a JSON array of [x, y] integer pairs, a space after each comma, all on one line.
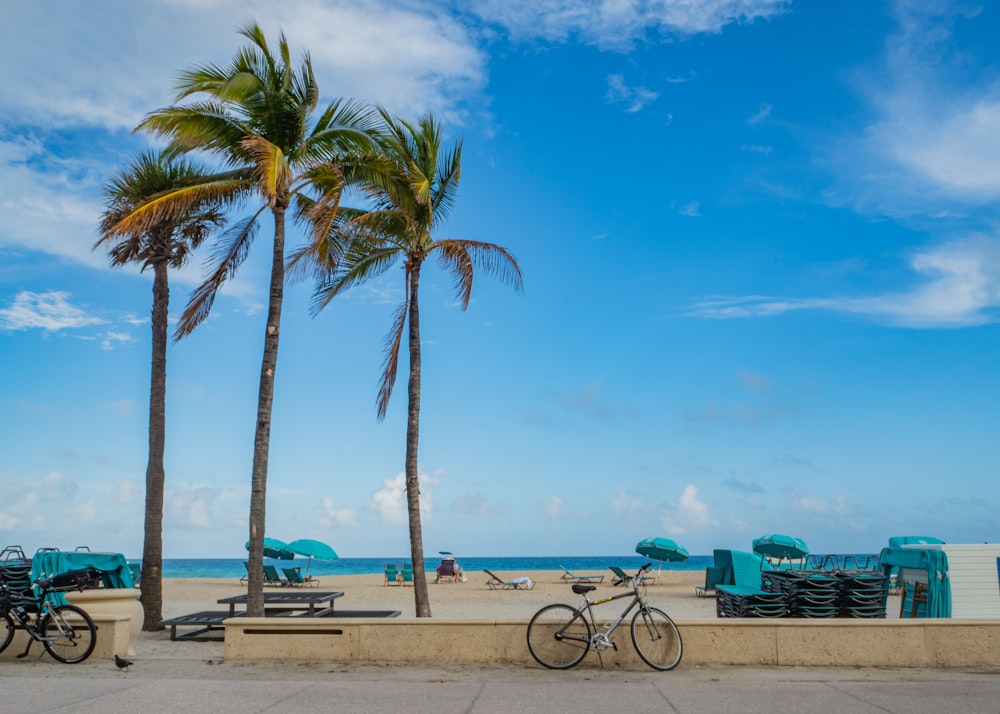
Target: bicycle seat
[[580, 588]]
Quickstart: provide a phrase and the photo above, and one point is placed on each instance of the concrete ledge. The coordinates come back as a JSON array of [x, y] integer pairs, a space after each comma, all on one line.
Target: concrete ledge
[[112, 639], [786, 642]]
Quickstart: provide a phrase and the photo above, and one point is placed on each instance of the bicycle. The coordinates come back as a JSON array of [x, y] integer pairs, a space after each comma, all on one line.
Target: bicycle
[[559, 636], [66, 632]]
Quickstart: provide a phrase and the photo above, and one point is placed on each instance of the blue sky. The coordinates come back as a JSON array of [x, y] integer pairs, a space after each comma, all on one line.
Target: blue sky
[[762, 277]]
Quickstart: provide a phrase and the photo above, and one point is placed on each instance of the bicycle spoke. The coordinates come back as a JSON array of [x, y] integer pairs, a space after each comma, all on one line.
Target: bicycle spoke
[[558, 637], [656, 639], [69, 634]]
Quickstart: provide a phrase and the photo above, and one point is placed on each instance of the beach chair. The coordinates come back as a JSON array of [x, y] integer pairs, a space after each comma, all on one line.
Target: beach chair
[[497, 583], [574, 578], [272, 578], [621, 578], [391, 574], [713, 576], [446, 571], [295, 579], [406, 574]]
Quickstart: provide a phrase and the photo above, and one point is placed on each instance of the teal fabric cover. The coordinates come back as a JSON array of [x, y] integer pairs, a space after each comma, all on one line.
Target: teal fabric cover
[[747, 568], [113, 567], [934, 563]]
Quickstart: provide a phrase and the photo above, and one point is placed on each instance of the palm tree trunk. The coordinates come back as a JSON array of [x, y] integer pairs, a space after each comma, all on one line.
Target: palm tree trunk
[[151, 593], [262, 438], [420, 594]]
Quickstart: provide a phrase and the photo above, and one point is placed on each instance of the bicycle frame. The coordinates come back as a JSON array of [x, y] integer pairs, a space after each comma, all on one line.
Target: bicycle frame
[[589, 605]]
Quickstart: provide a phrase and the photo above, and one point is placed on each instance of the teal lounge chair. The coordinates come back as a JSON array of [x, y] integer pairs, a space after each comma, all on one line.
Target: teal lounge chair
[[713, 576], [391, 574], [295, 578], [406, 574], [574, 578], [271, 577]]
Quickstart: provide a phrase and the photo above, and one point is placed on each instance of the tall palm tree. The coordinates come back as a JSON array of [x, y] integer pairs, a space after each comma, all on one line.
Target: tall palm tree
[[164, 244], [258, 116], [410, 193]]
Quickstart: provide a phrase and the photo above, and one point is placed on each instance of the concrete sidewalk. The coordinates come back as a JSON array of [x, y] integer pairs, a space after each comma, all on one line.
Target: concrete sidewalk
[[212, 686]]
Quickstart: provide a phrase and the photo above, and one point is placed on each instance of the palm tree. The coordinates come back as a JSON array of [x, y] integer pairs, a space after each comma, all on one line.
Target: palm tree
[[410, 194], [259, 117], [160, 246]]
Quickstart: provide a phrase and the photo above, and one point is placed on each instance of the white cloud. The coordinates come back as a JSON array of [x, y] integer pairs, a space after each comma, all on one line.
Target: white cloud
[[553, 507], [50, 311], [691, 210], [611, 23], [127, 492], [333, 516], [760, 115], [190, 507], [110, 340], [634, 97], [624, 503], [390, 501], [688, 514], [957, 285], [935, 136]]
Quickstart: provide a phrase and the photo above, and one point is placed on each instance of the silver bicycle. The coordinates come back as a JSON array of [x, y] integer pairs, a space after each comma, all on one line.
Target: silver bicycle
[[559, 636]]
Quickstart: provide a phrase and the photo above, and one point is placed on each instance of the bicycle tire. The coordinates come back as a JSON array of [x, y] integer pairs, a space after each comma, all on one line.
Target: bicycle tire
[[656, 639], [558, 636], [6, 631], [73, 634]]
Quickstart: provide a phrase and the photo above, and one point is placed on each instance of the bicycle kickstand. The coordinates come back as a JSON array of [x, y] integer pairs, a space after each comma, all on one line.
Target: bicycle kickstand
[[27, 647]]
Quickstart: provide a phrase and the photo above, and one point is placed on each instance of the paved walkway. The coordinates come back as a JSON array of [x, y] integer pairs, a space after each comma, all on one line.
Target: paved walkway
[[209, 685]]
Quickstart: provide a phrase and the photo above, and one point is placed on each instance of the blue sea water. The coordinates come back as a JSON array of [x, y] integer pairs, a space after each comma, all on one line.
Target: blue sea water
[[234, 568]]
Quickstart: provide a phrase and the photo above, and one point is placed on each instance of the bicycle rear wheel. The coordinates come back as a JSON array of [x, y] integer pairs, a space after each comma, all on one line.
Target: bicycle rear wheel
[[558, 637], [6, 631], [656, 639], [69, 634]]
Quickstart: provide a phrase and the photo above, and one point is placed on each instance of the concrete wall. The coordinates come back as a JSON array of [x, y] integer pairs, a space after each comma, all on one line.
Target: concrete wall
[[112, 639], [865, 643]]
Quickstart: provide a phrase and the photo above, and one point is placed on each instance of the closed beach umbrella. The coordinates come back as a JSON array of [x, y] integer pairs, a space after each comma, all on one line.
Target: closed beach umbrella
[[781, 546], [274, 548], [312, 549]]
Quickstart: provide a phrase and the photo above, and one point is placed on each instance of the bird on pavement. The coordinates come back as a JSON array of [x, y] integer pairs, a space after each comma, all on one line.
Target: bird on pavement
[[122, 663]]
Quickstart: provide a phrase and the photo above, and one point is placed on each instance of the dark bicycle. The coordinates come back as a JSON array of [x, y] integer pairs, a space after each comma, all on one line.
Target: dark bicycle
[[559, 636], [66, 632]]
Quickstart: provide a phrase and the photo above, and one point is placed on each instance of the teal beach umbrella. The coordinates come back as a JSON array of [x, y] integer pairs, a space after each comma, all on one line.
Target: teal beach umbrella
[[312, 549], [661, 549], [274, 548], [781, 546]]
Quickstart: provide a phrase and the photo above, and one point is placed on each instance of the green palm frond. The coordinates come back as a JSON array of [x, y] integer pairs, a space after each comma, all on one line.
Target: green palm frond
[[230, 252], [390, 362]]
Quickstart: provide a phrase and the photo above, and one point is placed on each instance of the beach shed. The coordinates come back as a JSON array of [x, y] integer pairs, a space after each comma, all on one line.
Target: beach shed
[[974, 572]]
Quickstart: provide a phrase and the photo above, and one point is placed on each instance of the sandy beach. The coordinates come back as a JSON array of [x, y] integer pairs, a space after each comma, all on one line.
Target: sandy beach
[[673, 592]]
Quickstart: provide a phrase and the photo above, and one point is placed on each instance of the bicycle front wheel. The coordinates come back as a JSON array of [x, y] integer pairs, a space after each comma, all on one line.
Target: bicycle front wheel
[[656, 639], [69, 635], [6, 631], [558, 636]]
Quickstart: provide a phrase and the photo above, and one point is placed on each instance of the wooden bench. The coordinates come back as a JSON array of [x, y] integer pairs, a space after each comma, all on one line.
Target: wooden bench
[[208, 623]]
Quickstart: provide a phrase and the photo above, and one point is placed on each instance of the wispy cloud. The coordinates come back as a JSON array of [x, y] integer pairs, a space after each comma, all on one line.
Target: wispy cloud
[[760, 115], [934, 139], [958, 285], [691, 209], [688, 513], [389, 502], [50, 311], [635, 98], [618, 24]]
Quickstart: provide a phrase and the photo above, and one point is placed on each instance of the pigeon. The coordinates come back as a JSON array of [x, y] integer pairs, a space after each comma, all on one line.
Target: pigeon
[[121, 663]]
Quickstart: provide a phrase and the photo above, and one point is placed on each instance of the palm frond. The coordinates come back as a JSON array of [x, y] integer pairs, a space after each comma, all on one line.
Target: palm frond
[[270, 167], [391, 360], [462, 257], [230, 253]]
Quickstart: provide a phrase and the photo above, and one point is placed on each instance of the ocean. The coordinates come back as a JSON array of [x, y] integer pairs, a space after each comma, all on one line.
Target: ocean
[[234, 567]]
